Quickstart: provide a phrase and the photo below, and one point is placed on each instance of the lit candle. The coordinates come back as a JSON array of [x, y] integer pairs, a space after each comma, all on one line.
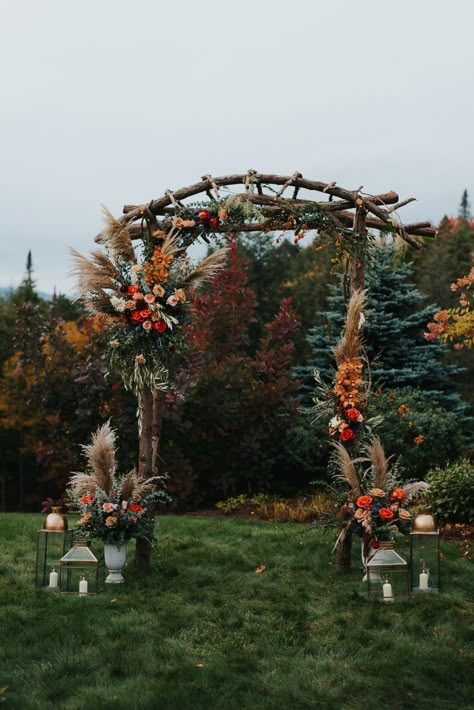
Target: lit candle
[[83, 587], [53, 579], [424, 579], [387, 591]]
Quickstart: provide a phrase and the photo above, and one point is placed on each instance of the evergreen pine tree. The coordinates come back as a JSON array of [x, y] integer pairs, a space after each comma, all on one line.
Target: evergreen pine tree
[[465, 207], [395, 323], [26, 291]]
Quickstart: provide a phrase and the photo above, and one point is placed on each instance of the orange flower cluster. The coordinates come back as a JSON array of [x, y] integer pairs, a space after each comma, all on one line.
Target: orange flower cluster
[[348, 381], [156, 270], [419, 439], [403, 410]]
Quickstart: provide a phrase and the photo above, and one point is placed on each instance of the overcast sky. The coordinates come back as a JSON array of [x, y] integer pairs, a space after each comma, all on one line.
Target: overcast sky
[[109, 101]]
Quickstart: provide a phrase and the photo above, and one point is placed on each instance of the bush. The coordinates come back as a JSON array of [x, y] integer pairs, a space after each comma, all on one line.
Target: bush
[[451, 493], [418, 430]]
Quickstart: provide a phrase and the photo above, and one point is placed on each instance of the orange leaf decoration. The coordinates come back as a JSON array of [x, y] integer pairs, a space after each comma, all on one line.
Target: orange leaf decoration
[[260, 569]]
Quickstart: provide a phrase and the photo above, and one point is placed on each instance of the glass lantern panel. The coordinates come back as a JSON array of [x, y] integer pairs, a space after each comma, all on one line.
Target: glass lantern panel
[[388, 584], [386, 557], [80, 554], [73, 574], [425, 562], [51, 546]]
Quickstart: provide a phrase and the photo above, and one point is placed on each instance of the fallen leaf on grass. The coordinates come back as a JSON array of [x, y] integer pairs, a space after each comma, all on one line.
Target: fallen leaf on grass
[[260, 569], [199, 665], [460, 650], [112, 601], [167, 537]]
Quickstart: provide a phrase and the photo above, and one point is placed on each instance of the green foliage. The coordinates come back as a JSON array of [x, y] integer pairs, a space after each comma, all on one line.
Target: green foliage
[[451, 493], [409, 413], [203, 631]]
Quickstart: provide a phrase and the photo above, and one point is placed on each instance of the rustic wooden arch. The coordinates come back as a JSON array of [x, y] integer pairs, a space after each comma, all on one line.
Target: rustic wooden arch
[[341, 208]]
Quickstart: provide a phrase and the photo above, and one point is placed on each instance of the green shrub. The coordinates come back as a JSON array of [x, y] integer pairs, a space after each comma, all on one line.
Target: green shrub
[[417, 430], [451, 492]]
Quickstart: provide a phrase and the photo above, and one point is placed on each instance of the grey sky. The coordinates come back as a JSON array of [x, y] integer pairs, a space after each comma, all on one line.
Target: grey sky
[[108, 101]]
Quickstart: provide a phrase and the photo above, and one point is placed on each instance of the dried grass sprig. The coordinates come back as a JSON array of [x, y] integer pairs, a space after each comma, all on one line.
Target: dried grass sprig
[[117, 238], [100, 456], [350, 345], [91, 276], [207, 268], [345, 469], [379, 461]]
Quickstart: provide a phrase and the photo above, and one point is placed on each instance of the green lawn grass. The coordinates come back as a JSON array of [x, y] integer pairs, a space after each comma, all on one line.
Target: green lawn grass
[[205, 631]]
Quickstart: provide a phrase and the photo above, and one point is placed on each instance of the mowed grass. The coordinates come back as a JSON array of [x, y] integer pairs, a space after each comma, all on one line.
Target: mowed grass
[[205, 631]]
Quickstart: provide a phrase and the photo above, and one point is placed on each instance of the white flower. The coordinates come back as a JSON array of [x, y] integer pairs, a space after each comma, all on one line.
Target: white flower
[[335, 422], [118, 304]]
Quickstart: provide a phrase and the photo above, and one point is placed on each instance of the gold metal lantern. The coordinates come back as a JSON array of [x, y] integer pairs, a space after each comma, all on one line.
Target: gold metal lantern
[[424, 555], [387, 575], [51, 544], [82, 570]]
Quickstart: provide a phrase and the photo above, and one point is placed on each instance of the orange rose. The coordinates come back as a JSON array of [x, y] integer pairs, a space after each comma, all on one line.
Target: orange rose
[[364, 501], [386, 514], [399, 494]]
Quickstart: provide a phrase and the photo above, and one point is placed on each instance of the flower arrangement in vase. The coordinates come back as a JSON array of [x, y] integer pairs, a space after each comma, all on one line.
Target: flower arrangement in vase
[[112, 508]]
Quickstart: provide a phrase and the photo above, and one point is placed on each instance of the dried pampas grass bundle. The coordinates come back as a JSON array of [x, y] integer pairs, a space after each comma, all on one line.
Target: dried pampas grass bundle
[[207, 268], [345, 469], [350, 345], [116, 237]]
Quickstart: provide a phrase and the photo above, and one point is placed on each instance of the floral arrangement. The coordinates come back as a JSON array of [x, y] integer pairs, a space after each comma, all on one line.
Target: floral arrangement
[[381, 515], [141, 298], [113, 508], [376, 506], [345, 402]]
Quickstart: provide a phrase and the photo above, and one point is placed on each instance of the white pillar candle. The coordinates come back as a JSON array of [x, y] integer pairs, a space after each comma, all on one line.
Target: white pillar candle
[[424, 580], [387, 592], [53, 579], [83, 587]]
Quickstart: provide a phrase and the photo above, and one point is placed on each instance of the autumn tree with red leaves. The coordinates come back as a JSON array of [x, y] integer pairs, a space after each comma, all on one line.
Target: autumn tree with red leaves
[[232, 407]]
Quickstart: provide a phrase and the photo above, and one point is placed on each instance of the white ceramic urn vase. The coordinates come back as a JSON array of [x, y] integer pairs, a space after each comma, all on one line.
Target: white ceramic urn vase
[[114, 558]]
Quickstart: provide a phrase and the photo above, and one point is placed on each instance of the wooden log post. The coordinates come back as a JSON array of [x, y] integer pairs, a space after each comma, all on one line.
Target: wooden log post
[[145, 466], [357, 282], [151, 406]]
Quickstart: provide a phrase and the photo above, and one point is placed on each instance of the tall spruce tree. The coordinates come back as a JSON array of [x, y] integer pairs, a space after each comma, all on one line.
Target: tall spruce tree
[[395, 323], [26, 291], [465, 207]]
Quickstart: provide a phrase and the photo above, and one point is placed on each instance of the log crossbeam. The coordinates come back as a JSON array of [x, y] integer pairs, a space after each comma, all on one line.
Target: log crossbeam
[[379, 208]]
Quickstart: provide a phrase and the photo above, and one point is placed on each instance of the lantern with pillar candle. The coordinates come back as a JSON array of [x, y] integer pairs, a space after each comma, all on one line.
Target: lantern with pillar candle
[[52, 542], [82, 570], [424, 555], [387, 575]]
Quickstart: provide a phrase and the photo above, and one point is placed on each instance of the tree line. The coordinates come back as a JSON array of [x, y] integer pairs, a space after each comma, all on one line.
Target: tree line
[[236, 420]]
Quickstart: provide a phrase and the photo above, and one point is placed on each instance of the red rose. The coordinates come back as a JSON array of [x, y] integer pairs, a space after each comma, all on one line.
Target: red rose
[[214, 222], [203, 215], [375, 544], [399, 494], [135, 508], [136, 316], [352, 414], [347, 434], [132, 289], [86, 500], [160, 326], [364, 501], [386, 514]]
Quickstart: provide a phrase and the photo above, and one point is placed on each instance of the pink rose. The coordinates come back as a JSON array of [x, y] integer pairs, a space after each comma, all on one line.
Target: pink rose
[[108, 507], [110, 521], [124, 504], [172, 300], [149, 298], [147, 325], [133, 518]]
